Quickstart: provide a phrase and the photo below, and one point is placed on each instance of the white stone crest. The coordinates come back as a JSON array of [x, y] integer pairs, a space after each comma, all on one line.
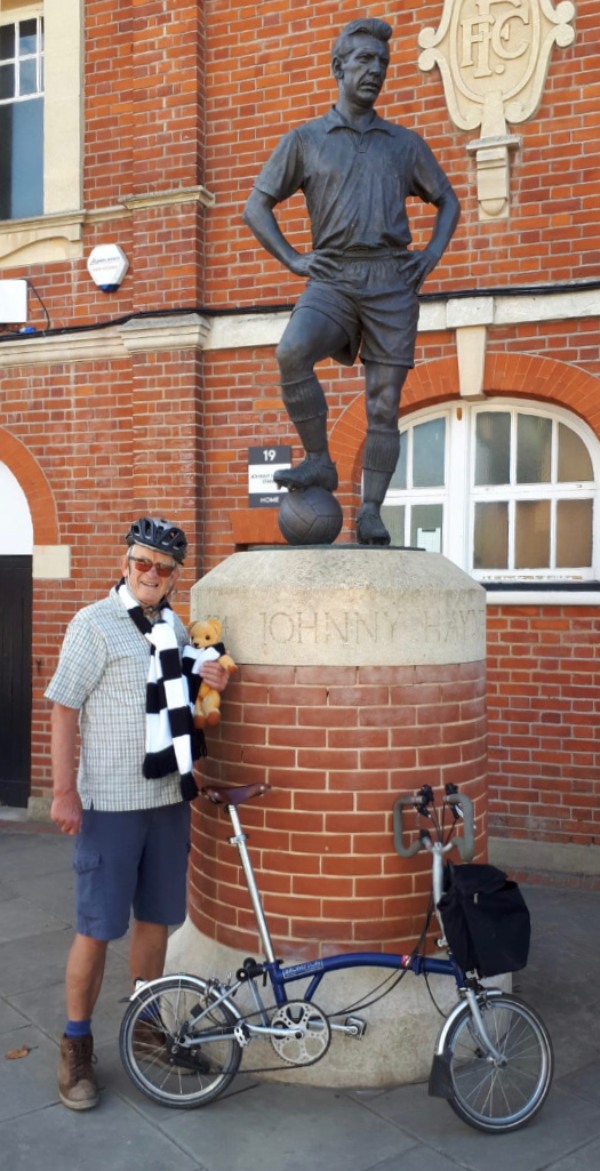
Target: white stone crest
[[493, 57]]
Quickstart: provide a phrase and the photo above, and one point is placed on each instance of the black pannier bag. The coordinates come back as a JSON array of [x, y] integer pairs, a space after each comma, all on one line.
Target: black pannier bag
[[486, 921]]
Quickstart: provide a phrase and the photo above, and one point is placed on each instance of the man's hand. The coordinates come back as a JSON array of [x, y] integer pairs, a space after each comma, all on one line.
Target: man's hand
[[66, 812], [214, 675]]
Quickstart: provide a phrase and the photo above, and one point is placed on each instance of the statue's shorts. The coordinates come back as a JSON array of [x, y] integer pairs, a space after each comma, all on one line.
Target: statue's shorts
[[370, 301]]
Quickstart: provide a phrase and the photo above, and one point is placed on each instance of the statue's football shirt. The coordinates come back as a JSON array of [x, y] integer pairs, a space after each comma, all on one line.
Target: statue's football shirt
[[355, 183]]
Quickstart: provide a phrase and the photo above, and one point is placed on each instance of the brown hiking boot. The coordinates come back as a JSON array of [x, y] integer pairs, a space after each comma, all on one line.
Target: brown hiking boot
[[150, 1043], [77, 1083]]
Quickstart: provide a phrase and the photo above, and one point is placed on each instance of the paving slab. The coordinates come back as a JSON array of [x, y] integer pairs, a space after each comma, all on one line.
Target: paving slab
[[564, 1125], [44, 1004], [27, 1084], [584, 1159], [276, 1126], [583, 1083], [10, 1018], [289, 1128], [21, 918], [108, 1137]]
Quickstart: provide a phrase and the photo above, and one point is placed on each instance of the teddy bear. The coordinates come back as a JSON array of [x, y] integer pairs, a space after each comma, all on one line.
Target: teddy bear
[[207, 709]]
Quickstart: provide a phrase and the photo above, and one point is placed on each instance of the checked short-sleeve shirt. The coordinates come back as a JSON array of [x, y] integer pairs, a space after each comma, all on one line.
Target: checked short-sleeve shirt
[[102, 673]]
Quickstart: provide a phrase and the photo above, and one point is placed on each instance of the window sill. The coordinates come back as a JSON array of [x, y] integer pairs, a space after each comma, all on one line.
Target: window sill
[[41, 239], [552, 593]]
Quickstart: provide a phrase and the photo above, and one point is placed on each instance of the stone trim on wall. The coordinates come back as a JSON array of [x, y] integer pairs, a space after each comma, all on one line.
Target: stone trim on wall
[[493, 64], [240, 331]]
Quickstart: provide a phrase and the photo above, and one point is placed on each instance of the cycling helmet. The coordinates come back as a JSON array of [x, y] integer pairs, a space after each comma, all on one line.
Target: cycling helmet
[[157, 533]]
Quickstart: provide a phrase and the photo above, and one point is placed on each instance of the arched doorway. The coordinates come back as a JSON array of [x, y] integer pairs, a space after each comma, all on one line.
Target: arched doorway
[[16, 559]]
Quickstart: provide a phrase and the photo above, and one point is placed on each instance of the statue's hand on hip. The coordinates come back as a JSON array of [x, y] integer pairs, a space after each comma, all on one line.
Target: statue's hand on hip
[[318, 266], [417, 266]]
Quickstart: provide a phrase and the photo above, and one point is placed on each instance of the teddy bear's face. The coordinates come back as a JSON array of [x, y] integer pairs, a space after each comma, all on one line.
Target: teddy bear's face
[[205, 634]]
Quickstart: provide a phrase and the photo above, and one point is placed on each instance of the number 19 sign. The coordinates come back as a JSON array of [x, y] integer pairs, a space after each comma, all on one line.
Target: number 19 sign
[[263, 462]]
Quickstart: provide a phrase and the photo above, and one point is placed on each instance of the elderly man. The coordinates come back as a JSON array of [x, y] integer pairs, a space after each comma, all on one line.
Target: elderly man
[[356, 171], [124, 684]]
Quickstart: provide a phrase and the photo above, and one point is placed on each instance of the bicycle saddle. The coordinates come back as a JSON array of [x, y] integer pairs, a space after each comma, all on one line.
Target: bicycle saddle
[[233, 794]]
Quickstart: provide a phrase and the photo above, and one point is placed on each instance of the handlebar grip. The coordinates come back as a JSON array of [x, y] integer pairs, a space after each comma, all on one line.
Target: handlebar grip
[[404, 851], [465, 844]]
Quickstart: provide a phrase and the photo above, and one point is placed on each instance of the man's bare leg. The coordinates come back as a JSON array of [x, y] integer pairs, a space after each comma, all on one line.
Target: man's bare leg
[[148, 950], [85, 972], [77, 1085]]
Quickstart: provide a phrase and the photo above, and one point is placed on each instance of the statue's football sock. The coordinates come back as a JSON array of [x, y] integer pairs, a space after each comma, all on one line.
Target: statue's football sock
[[307, 408], [382, 447]]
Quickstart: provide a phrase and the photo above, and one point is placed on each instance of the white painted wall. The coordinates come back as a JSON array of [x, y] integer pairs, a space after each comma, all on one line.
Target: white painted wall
[[16, 527]]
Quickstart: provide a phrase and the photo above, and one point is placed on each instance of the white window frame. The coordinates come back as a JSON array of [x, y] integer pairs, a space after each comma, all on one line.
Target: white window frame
[[19, 97], [459, 493], [57, 233], [39, 56]]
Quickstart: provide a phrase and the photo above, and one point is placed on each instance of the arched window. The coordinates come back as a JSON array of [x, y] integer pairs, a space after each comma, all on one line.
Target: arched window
[[506, 490]]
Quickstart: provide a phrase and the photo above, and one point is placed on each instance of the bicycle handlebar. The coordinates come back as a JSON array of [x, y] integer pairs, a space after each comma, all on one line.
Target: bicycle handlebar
[[465, 844]]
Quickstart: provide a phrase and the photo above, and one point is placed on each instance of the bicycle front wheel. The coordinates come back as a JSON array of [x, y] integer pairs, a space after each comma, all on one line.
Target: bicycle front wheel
[[155, 1048], [499, 1095]]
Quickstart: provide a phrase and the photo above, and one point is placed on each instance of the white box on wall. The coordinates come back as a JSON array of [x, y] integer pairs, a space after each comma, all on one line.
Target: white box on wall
[[13, 302]]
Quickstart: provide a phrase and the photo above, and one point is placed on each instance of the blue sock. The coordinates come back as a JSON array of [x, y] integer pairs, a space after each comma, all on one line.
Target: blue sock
[[78, 1028]]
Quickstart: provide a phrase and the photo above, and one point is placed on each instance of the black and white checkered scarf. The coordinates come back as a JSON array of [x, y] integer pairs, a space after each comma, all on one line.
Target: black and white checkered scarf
[[172, 741]]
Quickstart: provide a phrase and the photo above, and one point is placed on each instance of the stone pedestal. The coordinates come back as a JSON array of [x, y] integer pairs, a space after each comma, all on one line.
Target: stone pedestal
[[361, 678]]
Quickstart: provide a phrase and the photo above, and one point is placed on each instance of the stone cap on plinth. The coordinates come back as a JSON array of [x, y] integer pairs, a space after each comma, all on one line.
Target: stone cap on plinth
[[344, 605]]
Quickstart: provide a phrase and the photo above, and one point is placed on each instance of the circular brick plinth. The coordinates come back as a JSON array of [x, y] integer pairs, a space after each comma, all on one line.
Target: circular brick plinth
[[337, 742]]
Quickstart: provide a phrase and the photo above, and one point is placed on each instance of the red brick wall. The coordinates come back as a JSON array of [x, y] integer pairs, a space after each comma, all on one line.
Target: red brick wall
[[268, 69], [144, 65], [338, 746], [179, 93], [544, 719], [113, 444]]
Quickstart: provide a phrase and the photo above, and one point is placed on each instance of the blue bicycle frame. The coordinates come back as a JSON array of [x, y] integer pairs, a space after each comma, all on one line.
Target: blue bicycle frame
[[280, 975]]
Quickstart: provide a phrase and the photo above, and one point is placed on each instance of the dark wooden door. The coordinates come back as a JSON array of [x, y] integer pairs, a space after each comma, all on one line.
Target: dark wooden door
[[15, 679]]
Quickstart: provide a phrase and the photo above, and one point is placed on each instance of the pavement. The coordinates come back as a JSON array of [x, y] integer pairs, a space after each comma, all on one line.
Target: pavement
[[272, 1126]]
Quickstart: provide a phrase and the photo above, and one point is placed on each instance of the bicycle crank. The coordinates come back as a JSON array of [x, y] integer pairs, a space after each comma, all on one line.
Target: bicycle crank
[[308, 1033]]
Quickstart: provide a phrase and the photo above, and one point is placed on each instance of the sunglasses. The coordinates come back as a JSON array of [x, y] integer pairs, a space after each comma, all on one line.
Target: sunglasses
[[144, 565]]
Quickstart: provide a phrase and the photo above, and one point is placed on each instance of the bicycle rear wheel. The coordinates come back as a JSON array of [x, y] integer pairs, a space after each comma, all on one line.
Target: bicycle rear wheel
[[155, 1024], [499, 1096]]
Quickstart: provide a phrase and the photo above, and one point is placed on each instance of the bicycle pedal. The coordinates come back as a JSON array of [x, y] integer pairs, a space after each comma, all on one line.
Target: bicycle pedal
[[241, 1034], [355, 1026]]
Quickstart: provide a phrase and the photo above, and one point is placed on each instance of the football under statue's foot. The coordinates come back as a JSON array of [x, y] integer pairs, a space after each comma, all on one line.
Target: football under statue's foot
[[370, 529], [311, 473]]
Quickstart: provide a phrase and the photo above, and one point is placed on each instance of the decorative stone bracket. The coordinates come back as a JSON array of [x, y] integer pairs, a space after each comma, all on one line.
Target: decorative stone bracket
[[493, 57]]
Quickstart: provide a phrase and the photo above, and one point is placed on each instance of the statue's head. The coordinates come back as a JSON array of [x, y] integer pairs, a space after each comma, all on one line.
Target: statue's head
[[367, 27]]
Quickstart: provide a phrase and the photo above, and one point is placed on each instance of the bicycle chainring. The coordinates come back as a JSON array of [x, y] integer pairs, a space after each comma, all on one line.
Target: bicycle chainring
[[309, 1033]]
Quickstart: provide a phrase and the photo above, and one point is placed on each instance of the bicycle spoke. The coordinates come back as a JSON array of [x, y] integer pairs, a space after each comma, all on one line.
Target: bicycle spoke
[[494, 1094]]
